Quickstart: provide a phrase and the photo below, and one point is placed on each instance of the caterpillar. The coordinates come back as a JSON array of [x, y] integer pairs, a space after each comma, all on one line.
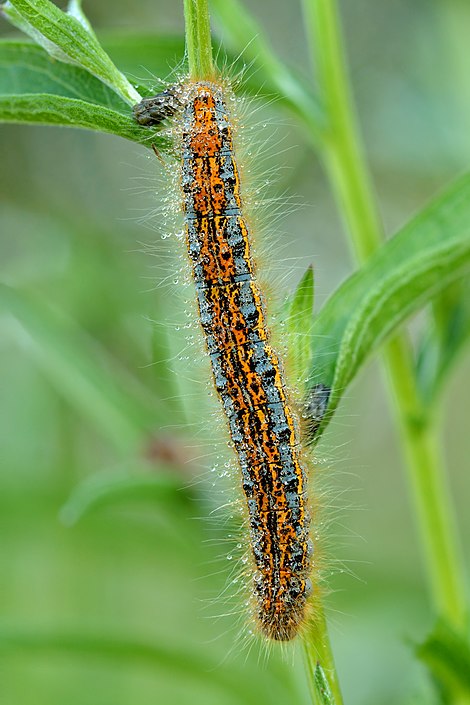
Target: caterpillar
[[247, 372]]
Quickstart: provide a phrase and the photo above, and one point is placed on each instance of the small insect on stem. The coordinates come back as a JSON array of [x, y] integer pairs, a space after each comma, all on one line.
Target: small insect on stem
[[152, 111], [315, 407]]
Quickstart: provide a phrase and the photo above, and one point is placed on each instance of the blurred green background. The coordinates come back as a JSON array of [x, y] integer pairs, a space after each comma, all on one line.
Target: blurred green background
[[114, 599]]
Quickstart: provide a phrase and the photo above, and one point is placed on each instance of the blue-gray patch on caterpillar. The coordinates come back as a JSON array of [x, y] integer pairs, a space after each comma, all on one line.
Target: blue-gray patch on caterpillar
[[292, 499], [234, 231], [247, 485], [288, 473], [228, 171], [279, 424]]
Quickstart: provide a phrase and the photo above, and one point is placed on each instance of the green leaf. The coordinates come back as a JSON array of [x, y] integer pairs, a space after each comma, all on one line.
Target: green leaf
[[74, 9], [447, 655], [28, 69], [80, 371], [69, 38], [36, 89], [447, 334], [54, 110], [409, 270], [299, 324]]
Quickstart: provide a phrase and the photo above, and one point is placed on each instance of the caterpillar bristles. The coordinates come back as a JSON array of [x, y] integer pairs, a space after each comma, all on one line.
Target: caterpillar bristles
[[263, 421]]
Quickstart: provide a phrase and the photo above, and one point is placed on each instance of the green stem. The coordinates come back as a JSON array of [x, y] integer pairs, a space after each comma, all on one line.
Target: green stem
[[342, 148], [323, 680], [198, 39], [429, 487], [348, 173]]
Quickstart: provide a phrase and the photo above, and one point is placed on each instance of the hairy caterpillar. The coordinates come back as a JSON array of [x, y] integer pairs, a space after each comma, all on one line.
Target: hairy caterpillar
[[248, 376]]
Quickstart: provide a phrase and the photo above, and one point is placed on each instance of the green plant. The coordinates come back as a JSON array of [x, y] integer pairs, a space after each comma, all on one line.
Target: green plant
[[69, 80]]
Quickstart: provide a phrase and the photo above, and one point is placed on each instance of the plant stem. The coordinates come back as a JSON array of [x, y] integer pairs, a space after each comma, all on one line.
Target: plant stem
[[348, 173], [342, 149], [198, 39], [429, 488], [318, 655]]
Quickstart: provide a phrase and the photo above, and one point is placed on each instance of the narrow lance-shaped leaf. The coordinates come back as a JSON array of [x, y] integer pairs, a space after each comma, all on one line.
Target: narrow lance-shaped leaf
[[409, 270], [68, 37], [447, 333], [299, 324], [74, 9], [36, 89]]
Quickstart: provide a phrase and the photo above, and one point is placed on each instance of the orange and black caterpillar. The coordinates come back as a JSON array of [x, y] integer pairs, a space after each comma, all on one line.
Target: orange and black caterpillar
[[247, 373]]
